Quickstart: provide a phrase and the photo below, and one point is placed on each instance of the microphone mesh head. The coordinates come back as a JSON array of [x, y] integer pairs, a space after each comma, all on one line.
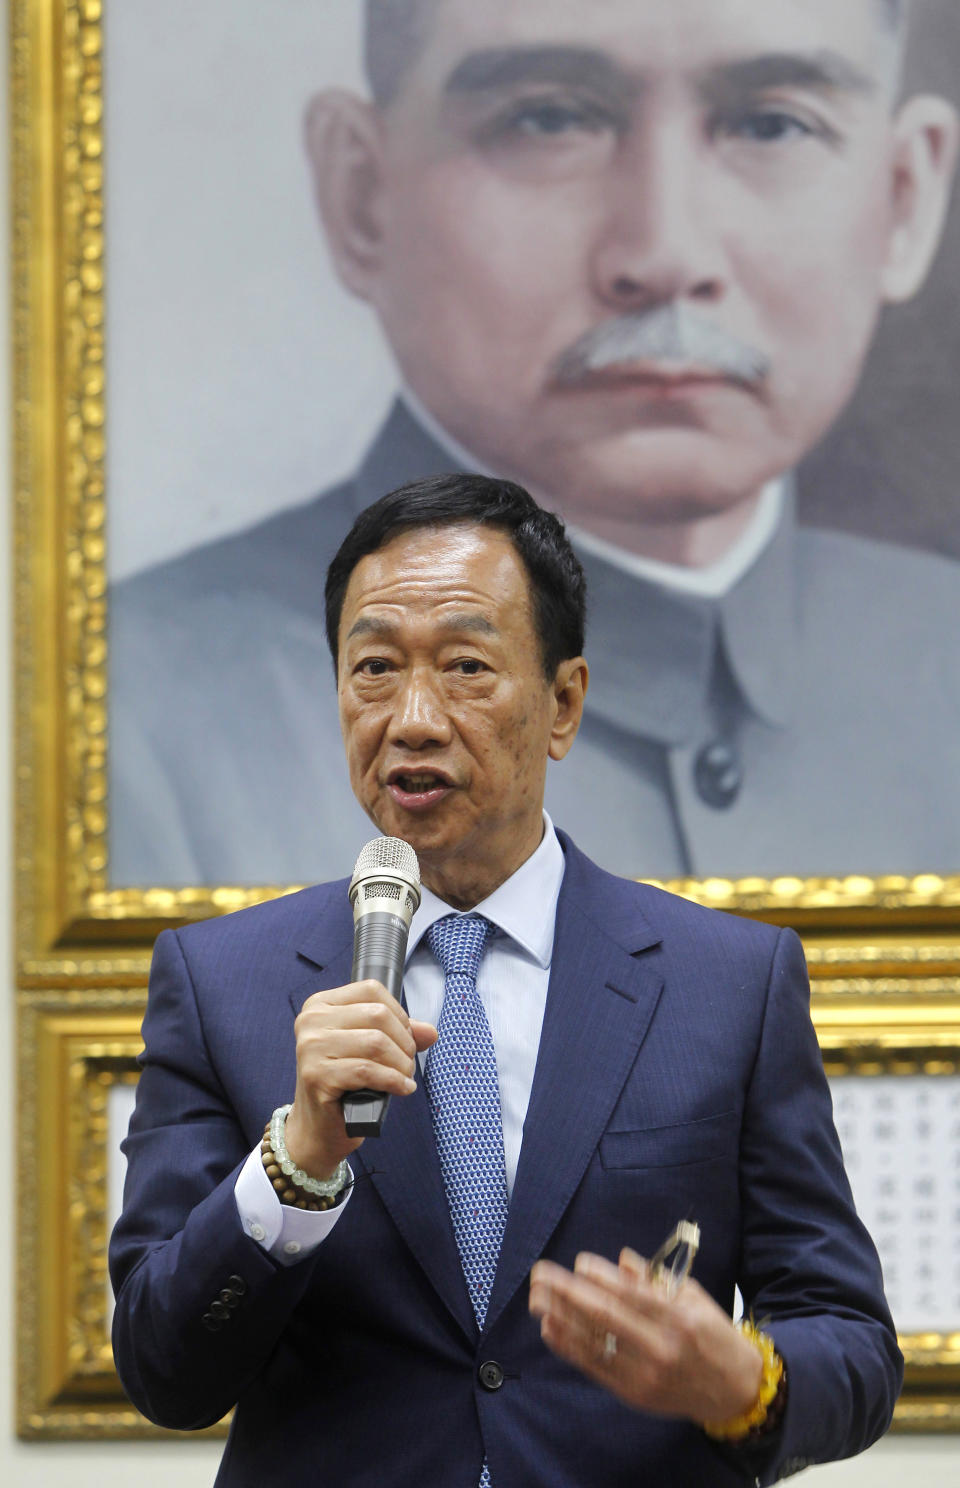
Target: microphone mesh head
[[387, 855]]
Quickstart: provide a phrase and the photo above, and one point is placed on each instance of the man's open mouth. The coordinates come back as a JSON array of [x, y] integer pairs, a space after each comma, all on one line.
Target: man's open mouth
[[420, 781], [417, 787]]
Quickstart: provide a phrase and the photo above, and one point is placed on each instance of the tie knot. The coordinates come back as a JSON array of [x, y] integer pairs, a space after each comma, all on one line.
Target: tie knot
[[457, 941]]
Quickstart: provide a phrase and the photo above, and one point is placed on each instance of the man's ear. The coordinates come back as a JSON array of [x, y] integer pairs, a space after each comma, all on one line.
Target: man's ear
[[343, 140], [926, 133], [569, 690]]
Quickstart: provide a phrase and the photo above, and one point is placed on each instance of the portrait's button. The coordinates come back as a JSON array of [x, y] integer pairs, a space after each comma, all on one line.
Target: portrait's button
[[237, 1282], [219, 1310], [717, 774], [491, 1374], [211, 1323], [292, 1247], [257, 1231]]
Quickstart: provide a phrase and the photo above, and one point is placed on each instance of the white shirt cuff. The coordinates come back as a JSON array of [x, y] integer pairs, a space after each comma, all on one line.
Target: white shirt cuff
[[288, 1234]]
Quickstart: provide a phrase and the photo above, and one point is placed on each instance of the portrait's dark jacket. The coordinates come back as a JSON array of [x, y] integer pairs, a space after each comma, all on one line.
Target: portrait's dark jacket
[[678, 1076], [829, 672]]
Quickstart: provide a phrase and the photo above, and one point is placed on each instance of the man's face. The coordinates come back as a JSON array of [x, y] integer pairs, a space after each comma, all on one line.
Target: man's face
[[550, 166], [447, 718]]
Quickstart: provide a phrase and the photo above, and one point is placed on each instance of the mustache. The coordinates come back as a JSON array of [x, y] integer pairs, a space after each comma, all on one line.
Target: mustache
[[665, 335]]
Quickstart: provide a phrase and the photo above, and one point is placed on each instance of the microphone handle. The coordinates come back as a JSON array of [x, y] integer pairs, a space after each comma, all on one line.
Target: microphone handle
[[379, 949]]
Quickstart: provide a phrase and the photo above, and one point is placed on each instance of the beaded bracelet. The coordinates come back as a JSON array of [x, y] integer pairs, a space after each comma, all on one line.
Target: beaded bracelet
[[764, 1415], [293, 1185]]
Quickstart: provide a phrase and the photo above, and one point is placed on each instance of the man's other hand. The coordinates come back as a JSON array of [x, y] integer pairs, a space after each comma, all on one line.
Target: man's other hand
[[677, 1355]]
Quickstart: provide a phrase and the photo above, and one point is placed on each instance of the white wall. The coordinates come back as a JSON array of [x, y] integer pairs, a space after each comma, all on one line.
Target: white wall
[[153, 1464]]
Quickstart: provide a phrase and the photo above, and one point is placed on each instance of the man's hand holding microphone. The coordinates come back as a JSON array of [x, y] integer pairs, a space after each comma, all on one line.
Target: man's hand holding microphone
[[356, 1045]]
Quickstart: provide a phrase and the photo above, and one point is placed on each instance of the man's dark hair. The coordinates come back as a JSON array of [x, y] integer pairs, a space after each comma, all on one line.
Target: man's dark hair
[[558, 589]]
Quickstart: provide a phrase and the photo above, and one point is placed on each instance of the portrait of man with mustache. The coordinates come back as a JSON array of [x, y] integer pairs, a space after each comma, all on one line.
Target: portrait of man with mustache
[[632, 256]]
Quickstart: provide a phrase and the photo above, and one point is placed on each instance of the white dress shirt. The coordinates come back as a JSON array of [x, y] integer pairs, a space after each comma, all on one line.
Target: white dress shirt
[[512, 983]]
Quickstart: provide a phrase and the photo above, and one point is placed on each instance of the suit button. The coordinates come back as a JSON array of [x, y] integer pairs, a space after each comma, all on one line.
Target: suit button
[[717, 774], [238, 1284], [219, 1311], [491, 1374], [211, 1323], [229, 1297]]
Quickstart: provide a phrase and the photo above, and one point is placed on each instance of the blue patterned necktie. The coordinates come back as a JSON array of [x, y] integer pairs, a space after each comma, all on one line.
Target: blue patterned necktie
[[461, 1078]]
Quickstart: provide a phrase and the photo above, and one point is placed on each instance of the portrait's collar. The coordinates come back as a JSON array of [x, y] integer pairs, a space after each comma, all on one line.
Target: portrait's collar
[[402, 451], [716, 579], [458, 456], [652, 648]]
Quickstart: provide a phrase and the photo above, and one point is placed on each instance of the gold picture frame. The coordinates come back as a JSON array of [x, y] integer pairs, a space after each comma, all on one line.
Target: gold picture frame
[[901, 1026], [75, 1048], [884, 953]]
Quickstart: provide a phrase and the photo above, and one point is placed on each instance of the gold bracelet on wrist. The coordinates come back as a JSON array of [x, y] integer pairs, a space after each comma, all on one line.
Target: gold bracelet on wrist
[[766, 1411], [293, 1186]]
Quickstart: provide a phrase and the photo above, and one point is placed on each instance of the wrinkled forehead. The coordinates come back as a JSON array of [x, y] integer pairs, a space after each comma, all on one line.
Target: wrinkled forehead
[[465, 568], [433, 41]]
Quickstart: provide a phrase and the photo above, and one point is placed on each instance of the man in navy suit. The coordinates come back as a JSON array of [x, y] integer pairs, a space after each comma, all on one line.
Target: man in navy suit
[[652, 1061]]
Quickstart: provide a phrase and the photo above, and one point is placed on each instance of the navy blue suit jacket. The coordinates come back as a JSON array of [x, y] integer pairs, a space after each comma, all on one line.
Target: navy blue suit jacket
[[678, 1076]]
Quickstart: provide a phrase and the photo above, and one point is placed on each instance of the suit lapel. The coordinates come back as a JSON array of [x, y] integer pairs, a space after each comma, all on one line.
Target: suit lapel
[[600, 1001], [402, 1163]]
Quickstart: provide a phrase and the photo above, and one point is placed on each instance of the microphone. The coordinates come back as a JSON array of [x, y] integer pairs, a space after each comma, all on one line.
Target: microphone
[[385, 894]]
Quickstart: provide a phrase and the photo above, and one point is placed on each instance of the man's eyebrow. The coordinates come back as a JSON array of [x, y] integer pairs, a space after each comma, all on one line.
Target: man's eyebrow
[[462, 621], [502, 67], [825, 71], [469, 620], [369, 625]]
